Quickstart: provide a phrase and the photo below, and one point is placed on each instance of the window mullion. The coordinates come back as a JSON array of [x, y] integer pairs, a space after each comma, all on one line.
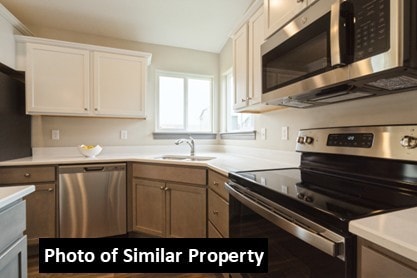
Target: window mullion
[[186, 103]]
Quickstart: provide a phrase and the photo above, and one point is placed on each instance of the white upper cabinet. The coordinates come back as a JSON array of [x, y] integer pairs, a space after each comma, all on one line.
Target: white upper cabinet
[[57, 80], [82, 80], [9, 26], [119, 85], [247, 67], [240, 67], [256, 38], [279, 12]]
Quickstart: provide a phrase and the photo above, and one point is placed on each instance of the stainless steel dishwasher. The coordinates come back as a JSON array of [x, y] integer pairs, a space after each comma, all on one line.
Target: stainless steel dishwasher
[[92, 200]]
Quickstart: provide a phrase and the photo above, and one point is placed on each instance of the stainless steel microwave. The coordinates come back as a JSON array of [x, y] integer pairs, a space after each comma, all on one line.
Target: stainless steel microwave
[[341, 50]]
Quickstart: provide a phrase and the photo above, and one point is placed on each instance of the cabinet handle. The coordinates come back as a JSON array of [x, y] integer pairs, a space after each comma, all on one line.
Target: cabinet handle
[[300, 1], [50, 189], [96, 109], [85, 109], [166, 188], [215, 183], [27, 175], [246, 99], [215, 212], [162, 187]]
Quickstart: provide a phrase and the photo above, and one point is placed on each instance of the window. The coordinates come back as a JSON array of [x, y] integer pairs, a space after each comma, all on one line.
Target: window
[[184, 102], [235, 121]]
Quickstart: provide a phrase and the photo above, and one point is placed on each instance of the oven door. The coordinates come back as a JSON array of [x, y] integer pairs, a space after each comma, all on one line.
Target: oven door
[[295, 249]]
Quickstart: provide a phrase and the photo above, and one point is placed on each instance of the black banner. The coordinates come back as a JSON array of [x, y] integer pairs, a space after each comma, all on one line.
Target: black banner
[[153, 255]]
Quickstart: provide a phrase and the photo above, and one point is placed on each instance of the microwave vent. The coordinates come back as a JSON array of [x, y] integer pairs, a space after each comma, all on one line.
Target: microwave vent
[[395, 83]]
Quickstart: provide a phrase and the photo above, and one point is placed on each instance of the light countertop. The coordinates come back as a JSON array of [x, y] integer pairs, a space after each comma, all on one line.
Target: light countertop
[[225, 160], [10, 194], [396, 231]]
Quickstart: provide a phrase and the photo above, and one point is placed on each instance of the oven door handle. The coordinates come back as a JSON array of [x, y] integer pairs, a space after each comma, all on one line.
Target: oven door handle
[[330, 247]]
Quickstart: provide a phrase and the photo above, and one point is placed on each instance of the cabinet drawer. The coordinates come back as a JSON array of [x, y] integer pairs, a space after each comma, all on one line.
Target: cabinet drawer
[[23, 175], [192, 175], [218, 213], [12, 223], [216, 183]]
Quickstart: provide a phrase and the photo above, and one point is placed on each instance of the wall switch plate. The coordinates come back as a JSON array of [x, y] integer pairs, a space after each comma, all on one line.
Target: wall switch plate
[[55, 134], [284, 133], [123, 134], [263, 133]]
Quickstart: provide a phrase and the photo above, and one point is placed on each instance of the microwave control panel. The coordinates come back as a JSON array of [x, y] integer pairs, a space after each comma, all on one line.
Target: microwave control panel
[[372, 28]]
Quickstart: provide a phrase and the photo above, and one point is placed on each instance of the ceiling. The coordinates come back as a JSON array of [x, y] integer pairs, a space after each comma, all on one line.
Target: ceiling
[[196, 24]]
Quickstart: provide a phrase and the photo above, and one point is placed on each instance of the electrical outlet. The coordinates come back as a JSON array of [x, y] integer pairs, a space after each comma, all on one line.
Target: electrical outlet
[[284, 133], [123, 134], [263, 133], [55, 134]]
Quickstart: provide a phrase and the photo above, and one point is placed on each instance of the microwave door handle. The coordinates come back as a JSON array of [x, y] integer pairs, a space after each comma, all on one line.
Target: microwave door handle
[[341, 33]]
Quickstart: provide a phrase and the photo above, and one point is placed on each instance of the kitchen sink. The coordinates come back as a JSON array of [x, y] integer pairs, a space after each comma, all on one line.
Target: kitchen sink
[[186, 157]]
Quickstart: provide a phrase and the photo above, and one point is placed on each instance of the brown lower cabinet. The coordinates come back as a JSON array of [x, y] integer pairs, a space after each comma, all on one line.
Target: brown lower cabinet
[[41, 204], [218, 206], [170, 201]]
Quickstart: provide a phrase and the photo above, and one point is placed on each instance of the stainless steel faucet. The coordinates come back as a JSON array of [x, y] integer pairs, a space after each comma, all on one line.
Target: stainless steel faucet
[[189, 141]]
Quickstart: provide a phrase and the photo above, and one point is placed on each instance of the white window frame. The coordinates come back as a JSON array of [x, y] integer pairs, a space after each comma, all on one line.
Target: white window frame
[[186, 76]]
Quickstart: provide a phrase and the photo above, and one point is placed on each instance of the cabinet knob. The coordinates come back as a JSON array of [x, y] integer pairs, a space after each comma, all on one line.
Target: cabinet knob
[[215, 183], [300, 1], [215, 212], [166, 188], [27, 175], [85, 109], [409, 142], [162, 187], [246, 99]]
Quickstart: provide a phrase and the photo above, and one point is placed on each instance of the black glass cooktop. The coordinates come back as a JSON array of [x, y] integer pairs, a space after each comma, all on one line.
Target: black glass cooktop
[[327, 198]]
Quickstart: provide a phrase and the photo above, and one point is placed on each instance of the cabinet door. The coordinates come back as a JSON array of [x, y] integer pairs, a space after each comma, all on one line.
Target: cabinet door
[[119, 85], [240, 67], [40, 213], [256, 38], [13, 261], [7, 43], [149, 207], [57, 80], [279, 12], [186, 211]]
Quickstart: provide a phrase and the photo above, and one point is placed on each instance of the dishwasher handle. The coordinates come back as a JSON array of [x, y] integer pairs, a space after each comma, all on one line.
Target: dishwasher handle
[[93, 169]]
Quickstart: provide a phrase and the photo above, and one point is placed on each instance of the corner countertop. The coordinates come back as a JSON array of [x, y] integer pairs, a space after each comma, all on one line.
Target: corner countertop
[[10, 194], [226, 159], [396, 231]]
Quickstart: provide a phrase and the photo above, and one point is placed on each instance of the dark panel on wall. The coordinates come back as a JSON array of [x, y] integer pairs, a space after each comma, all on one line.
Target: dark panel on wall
[[15, 125]]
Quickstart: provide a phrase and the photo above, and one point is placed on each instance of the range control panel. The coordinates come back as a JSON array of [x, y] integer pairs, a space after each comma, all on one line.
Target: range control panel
[[392, 142], [353, 140]]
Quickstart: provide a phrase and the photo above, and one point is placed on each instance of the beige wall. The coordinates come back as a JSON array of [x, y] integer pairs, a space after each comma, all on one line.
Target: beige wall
[[392, 109], [106, 131]]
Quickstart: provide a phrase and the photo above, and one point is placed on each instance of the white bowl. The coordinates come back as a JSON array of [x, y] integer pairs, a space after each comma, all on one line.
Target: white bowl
[[89, 151]]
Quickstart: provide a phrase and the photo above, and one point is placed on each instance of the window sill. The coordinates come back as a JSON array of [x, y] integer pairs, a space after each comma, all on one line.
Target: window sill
[[178, 135], [239, 135]]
